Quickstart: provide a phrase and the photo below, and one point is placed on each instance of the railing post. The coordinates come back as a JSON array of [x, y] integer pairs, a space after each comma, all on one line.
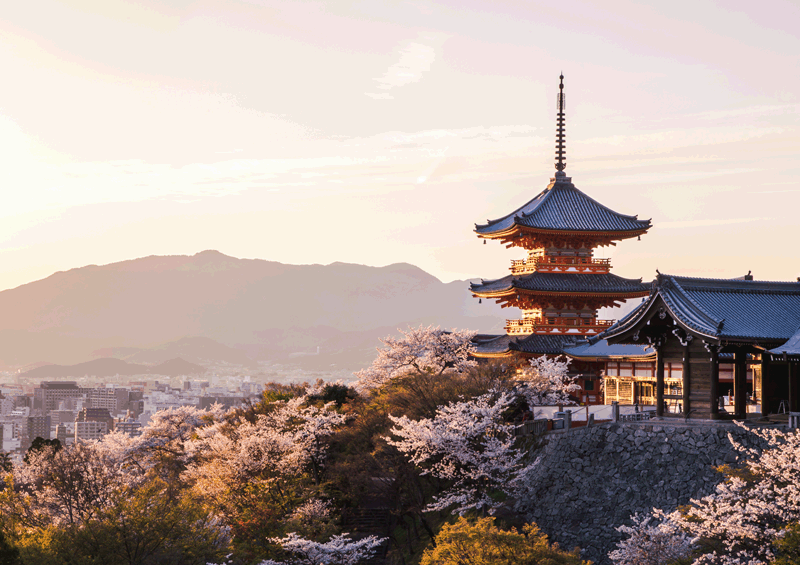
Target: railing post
[[615, 411]]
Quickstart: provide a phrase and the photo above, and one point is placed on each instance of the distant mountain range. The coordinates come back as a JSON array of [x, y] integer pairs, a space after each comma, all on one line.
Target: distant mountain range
[[211, 308], [110, 367]]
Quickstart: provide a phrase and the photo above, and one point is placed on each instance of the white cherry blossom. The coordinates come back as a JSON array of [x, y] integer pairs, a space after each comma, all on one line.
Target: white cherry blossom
[[423, 350], [468, 443], [339, 550], [546, 381]]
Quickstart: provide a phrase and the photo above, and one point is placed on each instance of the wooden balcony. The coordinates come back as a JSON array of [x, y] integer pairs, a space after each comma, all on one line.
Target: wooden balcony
[[555, 326], [548, 264]]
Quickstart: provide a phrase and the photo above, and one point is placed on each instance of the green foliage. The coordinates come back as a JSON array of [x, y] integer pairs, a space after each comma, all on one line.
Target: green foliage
[[788, 545], [41, 444], [334, 392], [143, 527], [9, 555], [6, 465], [483, 543]]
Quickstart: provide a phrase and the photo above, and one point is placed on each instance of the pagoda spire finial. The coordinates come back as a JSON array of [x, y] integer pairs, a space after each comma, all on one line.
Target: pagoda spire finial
[[561, 157]]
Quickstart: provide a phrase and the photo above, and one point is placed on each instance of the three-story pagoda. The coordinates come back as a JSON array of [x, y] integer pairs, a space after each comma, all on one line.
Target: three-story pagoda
[[560, 285]]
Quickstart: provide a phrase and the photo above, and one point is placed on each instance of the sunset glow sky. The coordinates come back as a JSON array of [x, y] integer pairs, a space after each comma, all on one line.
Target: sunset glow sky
[[380, 132]]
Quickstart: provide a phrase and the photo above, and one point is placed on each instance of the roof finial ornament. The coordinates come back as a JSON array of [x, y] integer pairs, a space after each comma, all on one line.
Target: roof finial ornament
[[561, 159]]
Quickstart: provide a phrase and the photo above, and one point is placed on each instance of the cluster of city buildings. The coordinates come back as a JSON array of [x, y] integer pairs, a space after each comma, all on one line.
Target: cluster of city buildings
[[69, 412]]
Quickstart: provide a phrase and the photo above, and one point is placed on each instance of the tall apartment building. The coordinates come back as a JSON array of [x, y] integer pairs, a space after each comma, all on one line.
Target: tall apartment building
[[94, 415], [6, 406], [90, 430], [35, 426], [129, 426], [49, 394], [114, 399]]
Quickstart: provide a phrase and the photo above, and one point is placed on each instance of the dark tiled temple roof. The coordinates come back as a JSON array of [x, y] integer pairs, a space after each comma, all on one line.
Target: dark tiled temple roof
[[534, 344], [601, 349], [492, 344], [724, 308], [544, 344], [563, 282], [562, 207]]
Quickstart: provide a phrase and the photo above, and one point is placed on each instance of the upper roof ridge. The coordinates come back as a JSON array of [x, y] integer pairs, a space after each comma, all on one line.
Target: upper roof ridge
[[736, 285]]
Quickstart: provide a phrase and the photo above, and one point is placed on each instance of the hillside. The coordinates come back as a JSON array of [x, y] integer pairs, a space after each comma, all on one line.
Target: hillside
[[197, 350], [108, 367], [143, 310], [97, 367]]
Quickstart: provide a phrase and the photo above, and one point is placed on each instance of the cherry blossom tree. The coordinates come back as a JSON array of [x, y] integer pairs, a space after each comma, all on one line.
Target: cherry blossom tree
[[469, 444], [67, 486], [421, 351], [741, 521], [654, 539], [255, 473], [339, 550], [288, 440], [546, 381], [308, 428]]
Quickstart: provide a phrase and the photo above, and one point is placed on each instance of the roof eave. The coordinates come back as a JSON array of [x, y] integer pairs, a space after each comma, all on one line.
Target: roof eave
[[645, 317], [517, 228]]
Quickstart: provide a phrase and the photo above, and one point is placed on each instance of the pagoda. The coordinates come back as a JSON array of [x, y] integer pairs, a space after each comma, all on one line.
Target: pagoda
[[560, 285]]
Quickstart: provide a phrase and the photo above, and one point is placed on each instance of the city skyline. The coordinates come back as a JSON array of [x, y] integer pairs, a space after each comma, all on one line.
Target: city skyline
[[380, 133]]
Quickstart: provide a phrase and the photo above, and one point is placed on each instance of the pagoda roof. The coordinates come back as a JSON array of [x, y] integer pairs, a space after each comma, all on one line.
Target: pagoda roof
[[563, 208], [724, 309], [562, 283]]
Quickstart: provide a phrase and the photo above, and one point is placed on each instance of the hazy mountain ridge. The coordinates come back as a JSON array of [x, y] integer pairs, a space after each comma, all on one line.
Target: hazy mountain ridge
[[144, 309], [108, 367], [197, 350]]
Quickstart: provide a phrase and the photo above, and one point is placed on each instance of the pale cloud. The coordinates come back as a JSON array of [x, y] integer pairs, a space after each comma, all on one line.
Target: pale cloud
[[748, 111], [415, 59], [707, 222]]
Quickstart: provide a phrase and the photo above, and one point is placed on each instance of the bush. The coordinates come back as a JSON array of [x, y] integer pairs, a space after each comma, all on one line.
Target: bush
[[483, 543]]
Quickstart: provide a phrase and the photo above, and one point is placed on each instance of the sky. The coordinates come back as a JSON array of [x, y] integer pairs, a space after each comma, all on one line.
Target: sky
[[381, 132]]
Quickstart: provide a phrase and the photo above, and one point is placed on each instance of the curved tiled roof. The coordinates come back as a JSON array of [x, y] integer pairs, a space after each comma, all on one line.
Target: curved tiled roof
[[791, 347], [563, 282], [492, 344], [725, 308], [562, 207], [543, 344], [534, 344], [570, 345], [602, 349]]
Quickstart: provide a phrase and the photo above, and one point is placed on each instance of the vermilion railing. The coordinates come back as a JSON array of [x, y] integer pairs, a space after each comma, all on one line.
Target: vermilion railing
[[547, 264], [576, 326]]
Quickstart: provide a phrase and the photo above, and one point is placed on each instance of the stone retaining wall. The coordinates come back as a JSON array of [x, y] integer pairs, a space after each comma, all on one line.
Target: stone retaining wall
[[590, 480]]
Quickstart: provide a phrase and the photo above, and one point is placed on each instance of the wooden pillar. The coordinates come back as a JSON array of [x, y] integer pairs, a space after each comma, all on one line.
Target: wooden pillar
[[659, 381], [793, 386], [766, 385], [714, 393], [739, 384], [686, 370]]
